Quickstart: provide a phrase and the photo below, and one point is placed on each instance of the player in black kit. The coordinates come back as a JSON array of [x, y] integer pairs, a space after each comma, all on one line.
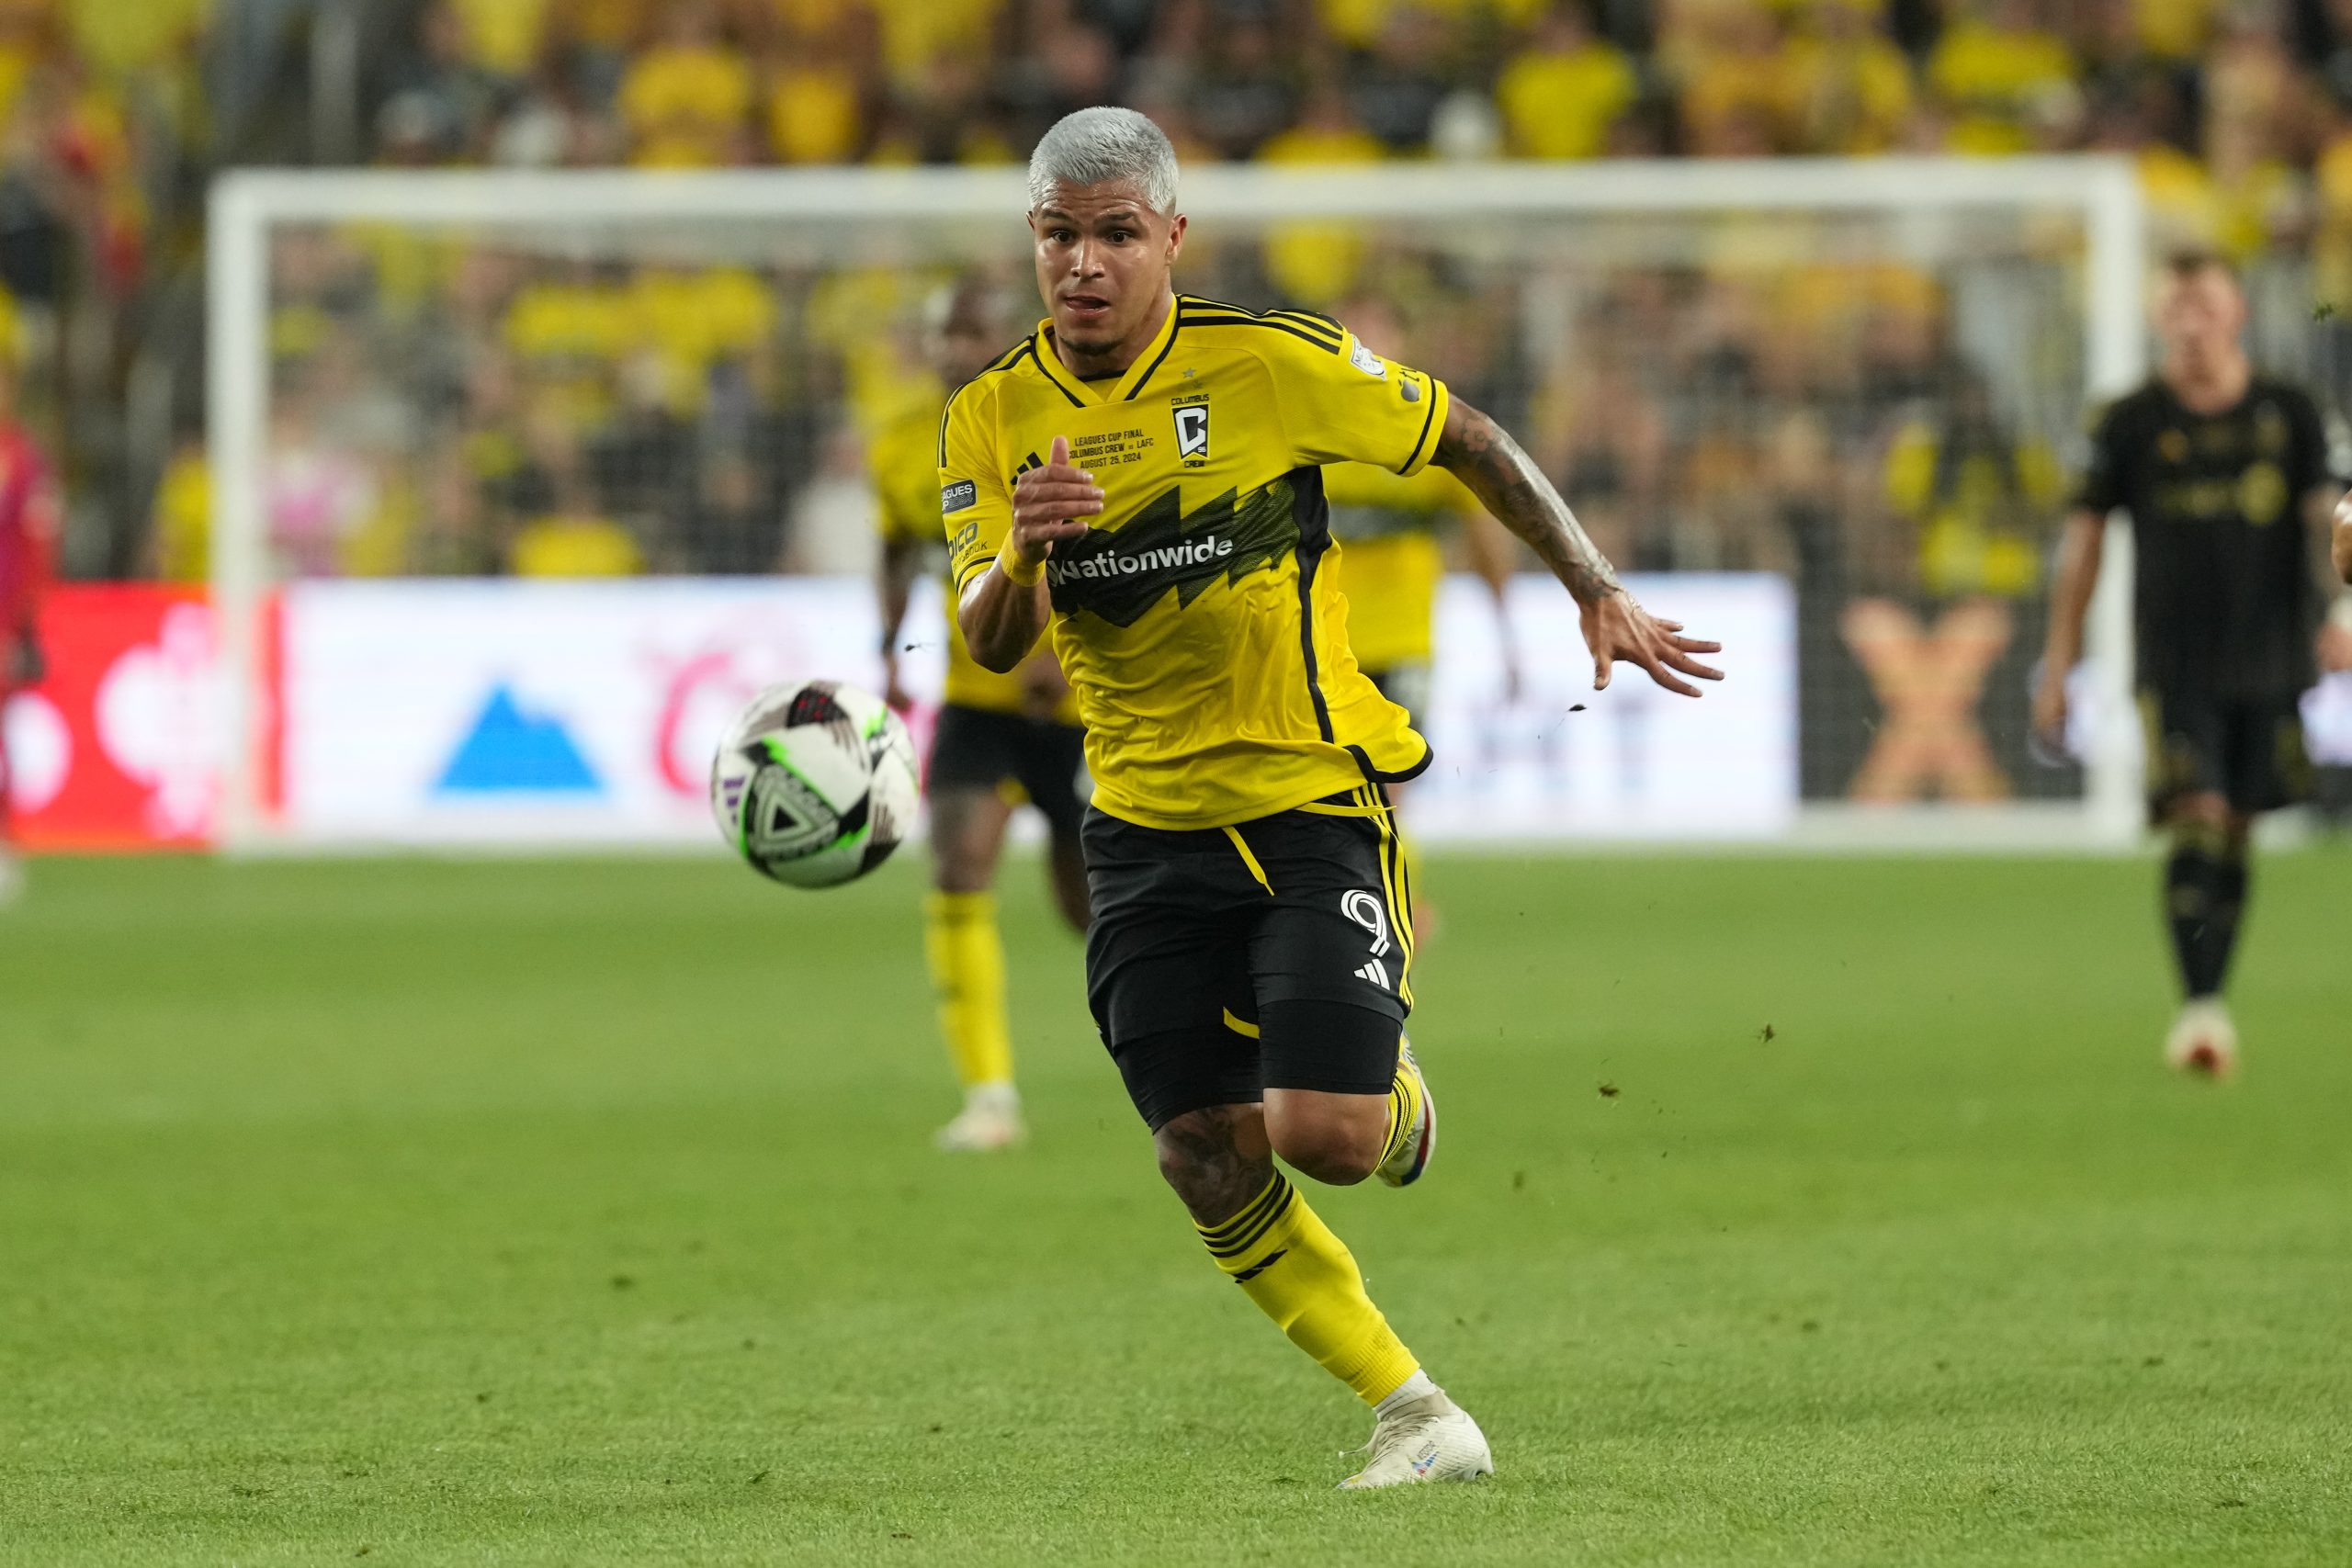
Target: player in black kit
[[2223, 475]]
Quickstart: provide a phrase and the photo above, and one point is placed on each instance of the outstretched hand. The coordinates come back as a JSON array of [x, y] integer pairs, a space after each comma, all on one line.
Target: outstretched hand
[[1052, 502], [1615, 628]]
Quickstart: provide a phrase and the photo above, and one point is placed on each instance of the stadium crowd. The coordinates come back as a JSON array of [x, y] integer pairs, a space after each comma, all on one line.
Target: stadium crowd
[[446, 407]]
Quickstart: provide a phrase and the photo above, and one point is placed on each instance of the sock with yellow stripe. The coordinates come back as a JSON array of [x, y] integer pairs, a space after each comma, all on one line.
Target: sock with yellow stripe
[[1405, 1096], [968, 974], [1305, 1279]]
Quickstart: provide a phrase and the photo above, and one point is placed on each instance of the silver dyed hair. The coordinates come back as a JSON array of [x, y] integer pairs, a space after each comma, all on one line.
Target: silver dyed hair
[[1091, 146]]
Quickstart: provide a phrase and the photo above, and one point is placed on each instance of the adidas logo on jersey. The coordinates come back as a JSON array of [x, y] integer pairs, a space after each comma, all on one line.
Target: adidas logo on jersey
[[1377, 974]]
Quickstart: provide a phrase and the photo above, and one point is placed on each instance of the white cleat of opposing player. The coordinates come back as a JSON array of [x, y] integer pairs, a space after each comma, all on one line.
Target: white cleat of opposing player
[[1431, 1440], [989, 1121], [2203, 1039]]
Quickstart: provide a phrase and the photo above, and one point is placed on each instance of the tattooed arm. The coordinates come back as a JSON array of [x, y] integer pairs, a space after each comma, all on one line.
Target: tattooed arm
[[1482, 455]]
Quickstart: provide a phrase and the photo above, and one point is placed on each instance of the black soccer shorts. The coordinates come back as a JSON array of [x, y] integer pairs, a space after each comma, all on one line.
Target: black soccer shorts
[[1272, 954], [981, 749], [2249, 751]]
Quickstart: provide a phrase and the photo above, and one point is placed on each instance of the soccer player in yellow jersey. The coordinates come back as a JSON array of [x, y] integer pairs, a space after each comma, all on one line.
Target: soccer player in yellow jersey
[[1145, 474], [996, 733]]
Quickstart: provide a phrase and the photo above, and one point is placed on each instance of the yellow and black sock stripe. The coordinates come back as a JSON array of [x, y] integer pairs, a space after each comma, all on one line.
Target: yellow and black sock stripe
[[1403, 1114], [1236, 1236]]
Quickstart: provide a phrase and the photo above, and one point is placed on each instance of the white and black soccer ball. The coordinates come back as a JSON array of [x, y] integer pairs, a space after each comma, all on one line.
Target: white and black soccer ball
[[815, 784]]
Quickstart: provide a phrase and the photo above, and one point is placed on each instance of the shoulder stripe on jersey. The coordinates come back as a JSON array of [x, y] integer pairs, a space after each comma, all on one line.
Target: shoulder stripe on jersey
[[1313, 323], [1004, 361], [1300, 333], [945, 409], [1306, 320]]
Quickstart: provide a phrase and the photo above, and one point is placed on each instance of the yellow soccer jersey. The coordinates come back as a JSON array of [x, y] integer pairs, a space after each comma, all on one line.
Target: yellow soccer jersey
[[1389, 526], [902, 460], [1199, 619]]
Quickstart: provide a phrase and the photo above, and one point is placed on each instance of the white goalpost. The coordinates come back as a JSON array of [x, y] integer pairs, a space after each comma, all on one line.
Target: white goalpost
[[409, 372]]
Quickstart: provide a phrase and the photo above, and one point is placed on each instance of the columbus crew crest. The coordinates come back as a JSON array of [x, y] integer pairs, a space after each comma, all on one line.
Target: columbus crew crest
[[1193, 430]]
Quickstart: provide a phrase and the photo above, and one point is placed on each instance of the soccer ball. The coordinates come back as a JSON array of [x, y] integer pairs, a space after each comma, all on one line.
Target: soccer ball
[[815, 783]]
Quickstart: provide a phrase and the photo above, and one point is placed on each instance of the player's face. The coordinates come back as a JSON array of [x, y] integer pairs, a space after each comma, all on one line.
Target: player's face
[[2200, 314], [1102, 262]]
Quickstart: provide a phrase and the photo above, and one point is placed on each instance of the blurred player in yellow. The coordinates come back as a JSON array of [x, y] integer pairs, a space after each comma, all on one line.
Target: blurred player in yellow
[[1001, 740], [1393, 560]]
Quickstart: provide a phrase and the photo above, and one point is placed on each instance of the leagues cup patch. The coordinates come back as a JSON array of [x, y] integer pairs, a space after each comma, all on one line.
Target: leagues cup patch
[[954, 498]]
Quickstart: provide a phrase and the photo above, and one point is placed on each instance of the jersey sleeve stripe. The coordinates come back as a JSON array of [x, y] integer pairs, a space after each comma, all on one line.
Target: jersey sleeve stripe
[[1427, 419], [1309, 321], [1313, 323], [1004, 361], [1303, 336]]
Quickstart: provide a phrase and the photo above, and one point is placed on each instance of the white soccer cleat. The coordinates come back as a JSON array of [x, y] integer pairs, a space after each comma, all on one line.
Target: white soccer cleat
[[2203, 1039], [1404, 1163], [1431, 1440], [990, 1120]]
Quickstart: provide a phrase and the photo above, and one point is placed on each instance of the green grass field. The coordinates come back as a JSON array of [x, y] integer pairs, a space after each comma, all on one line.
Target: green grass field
[[1788, 1213]]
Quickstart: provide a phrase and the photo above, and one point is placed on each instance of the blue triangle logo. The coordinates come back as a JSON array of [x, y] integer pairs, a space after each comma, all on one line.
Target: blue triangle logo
[[511, 751]]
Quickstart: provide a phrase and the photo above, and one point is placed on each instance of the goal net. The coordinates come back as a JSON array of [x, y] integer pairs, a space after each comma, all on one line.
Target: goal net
[[523, 481]]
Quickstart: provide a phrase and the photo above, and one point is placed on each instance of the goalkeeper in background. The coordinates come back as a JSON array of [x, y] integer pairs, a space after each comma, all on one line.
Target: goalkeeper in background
[[1000, 738]]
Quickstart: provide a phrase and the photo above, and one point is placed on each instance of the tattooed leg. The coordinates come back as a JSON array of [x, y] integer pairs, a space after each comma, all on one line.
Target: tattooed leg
[[1217, 1159]]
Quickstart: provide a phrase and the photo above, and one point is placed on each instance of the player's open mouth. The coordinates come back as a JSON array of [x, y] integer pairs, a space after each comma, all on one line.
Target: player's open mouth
[[1086, 307]]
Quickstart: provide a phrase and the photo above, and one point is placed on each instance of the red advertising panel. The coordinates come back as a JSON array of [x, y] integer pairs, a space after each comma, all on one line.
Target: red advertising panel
[[119, 748]]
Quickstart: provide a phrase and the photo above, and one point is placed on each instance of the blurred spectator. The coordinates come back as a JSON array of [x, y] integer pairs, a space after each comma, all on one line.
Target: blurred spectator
[[821, 80], [566, 533], [182, 526], [1733, 78], [1316, 265], [1396, 88], [1848, 86], [1561, 94], [942, 116], [1075, 66], [1981, 499], [687, 100], [446, 102], [316, 496], [1245, 96], [2008, 81]]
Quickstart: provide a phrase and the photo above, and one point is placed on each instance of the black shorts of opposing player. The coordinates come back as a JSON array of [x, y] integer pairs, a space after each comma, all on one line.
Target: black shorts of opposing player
[[2249, 751], [1224, 961], [980, 748]]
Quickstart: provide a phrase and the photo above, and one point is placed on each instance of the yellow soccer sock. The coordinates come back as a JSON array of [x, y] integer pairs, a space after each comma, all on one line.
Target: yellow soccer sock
[[1305, 1279], [967, 973]]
